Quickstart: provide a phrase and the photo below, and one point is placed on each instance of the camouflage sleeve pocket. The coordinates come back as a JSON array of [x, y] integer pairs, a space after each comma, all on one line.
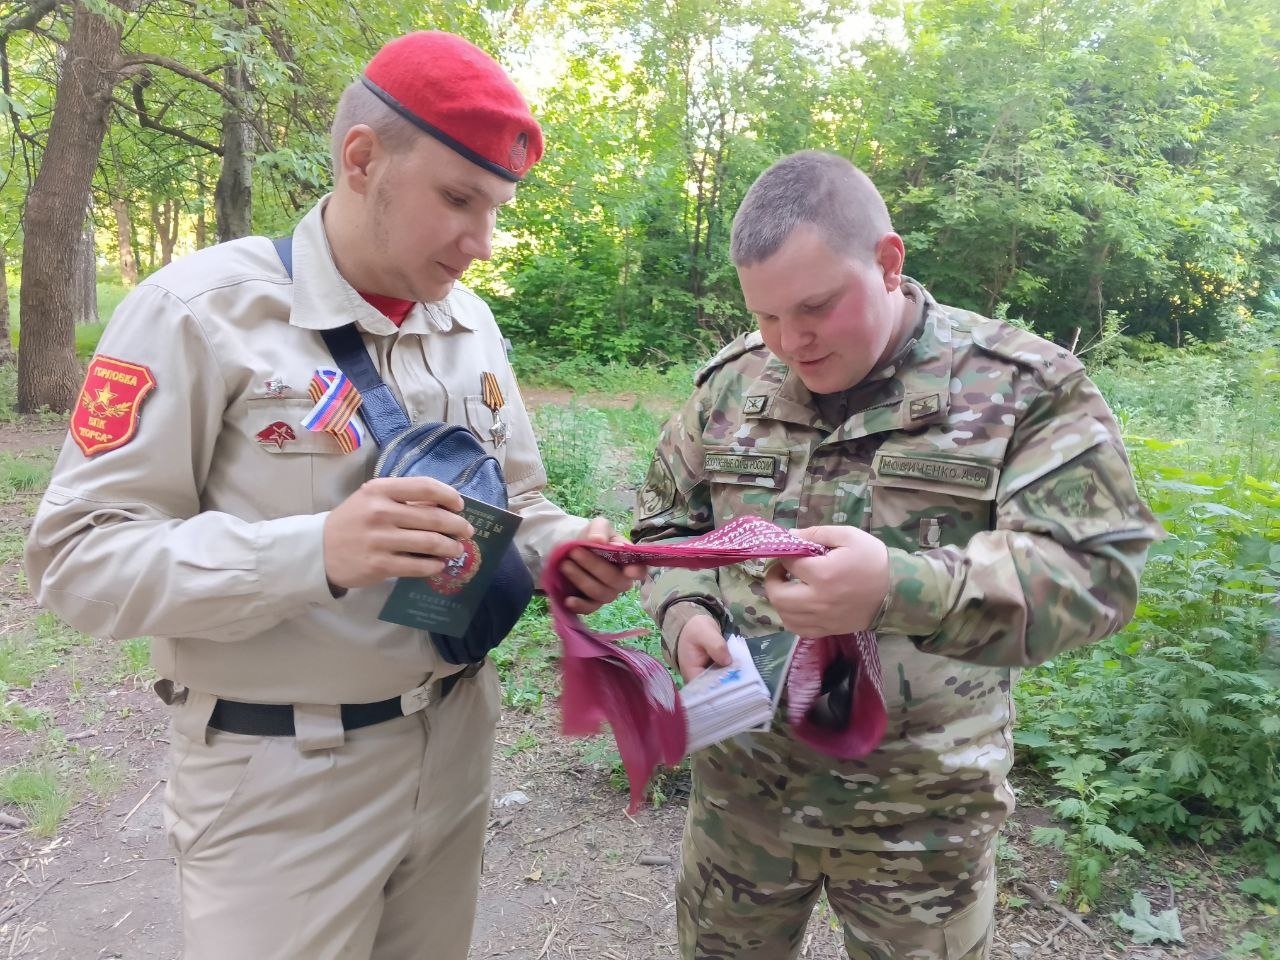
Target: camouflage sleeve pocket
[[1088, 500]]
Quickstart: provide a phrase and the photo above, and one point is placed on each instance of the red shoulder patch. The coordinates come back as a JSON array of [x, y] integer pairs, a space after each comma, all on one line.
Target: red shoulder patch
[[106, 414]]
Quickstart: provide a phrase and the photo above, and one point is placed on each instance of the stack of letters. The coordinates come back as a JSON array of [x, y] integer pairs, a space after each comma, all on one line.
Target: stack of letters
[[722, 702]]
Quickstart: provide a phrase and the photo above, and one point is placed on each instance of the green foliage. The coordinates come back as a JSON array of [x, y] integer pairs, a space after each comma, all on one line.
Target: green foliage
[[669, 382], [1168, 730], [8, 392], [574, 444], [1089, 803], [1257, 945], [1266, 887], [134, 660], [1073, 163], [526, 660], [18, 717], [33, 651], [637, 429], [22, 474], [41, 791], [87, 337], [102, 777]]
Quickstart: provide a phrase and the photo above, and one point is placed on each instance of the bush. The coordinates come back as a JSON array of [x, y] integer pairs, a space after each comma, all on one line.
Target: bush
[[574, 445], [1169, 729]]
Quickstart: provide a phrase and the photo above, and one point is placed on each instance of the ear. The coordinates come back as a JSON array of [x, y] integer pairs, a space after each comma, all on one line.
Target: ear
[[890, 255], [360, 149]]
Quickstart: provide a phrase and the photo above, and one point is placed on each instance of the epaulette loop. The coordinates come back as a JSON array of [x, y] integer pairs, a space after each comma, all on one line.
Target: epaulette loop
[[731, 351]]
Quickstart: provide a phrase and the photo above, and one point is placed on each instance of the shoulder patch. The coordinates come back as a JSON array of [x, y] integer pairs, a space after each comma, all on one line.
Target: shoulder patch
[[106, 413], [731, 351], [1049, 362]]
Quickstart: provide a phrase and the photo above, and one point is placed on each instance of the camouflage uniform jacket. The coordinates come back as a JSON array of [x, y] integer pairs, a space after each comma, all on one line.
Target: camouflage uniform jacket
[[991, 467]]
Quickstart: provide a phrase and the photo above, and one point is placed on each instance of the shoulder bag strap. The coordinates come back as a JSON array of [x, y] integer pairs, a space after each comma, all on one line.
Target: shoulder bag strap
[[383, 415]]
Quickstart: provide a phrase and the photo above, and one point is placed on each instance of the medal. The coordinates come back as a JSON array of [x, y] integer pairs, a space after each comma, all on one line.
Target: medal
[[491, 393]]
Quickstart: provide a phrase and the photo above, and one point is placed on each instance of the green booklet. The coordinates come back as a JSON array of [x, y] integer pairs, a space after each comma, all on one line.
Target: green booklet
[[446, 602], [772, 655]]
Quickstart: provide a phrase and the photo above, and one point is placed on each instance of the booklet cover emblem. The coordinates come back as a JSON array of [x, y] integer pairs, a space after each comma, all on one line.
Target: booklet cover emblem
[[446, 602]]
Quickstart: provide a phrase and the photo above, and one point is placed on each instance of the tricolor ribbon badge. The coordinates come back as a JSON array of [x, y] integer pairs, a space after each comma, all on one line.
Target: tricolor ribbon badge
[[336, 402]]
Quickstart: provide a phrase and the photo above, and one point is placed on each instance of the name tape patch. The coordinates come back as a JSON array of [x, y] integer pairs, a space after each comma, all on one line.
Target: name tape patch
[[754, 465], [943, 471]]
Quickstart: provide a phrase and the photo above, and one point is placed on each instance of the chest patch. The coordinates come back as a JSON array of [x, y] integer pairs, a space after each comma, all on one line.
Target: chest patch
[[962, 473], [746, 464]]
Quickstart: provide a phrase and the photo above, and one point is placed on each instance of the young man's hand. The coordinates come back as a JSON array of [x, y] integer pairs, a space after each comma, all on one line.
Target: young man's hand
[[699, 645], [837, 593], [393, 527], [596, 581]]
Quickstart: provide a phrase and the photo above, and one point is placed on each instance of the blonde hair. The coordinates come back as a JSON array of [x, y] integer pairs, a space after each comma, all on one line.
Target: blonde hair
[[359, 105], [810, 187]]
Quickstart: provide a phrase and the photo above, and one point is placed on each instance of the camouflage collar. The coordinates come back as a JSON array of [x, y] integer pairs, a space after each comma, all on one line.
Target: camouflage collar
[[911, 392], [778, 394]]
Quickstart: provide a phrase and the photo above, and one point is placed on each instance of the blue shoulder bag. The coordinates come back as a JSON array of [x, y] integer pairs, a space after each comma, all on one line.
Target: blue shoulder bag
[[446, 452]]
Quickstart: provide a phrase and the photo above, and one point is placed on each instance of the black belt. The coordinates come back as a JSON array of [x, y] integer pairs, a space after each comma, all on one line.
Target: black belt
[[276, 719]]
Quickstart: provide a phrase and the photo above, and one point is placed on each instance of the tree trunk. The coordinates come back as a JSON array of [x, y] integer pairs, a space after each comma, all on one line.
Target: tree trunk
[[48, 372], [124, 231], [153, 231], [233, 196], [201, 226], [6, 337], [1094, 303], [86, 276], [167, 229]]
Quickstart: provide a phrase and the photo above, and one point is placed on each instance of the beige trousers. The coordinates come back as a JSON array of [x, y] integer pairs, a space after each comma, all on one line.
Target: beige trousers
[[364, 844]]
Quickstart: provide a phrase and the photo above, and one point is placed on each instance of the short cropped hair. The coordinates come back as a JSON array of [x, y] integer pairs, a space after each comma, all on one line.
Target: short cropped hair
[[359, 105], [810, 187]]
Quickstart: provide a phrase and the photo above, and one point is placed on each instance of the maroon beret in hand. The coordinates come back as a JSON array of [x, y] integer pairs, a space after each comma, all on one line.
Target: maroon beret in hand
[[454, 91]]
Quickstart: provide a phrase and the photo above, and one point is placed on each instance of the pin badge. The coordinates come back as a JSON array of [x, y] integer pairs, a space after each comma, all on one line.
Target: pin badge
[[275, 387], [753, 405], [277, 434], [921, 407], [491, 393]]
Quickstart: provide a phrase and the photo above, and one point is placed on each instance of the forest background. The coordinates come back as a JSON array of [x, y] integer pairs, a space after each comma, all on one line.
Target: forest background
[[1104, 172]]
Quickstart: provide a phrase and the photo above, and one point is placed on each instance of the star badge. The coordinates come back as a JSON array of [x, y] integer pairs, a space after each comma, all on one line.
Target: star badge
[[276, 434]]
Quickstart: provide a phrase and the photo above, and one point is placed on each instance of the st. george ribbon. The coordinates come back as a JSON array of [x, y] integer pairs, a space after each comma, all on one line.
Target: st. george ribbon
[[605, 681]]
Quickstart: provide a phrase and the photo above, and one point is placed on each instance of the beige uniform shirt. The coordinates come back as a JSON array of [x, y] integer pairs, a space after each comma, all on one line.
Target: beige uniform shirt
[[205, 537]]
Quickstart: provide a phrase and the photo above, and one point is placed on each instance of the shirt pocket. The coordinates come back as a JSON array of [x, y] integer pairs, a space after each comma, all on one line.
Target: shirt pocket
[[745, 481], [922, 499], [489, 427], [284, 454]]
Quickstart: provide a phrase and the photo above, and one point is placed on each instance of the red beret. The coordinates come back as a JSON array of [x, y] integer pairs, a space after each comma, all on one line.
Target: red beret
[[457, 93]]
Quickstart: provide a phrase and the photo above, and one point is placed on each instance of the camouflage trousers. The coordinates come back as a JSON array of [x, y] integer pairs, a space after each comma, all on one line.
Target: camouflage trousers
[[746, 894]]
